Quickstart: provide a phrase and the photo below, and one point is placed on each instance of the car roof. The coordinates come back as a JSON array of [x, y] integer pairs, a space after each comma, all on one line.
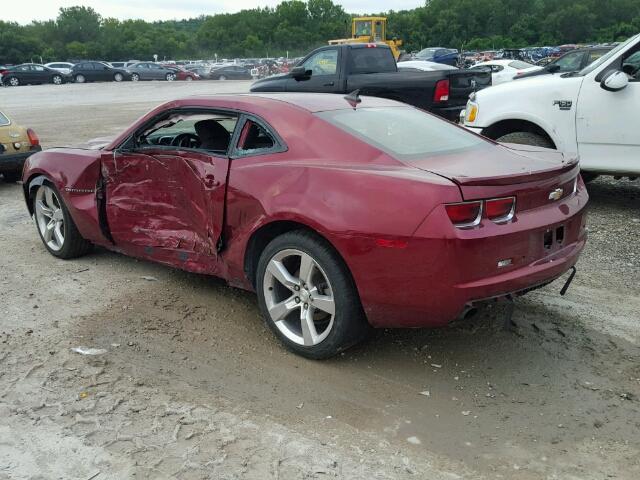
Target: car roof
[[312, 102]]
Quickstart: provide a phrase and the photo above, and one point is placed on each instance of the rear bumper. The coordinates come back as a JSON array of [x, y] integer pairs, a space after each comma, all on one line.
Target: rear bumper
[[442, 270], [14, 162]]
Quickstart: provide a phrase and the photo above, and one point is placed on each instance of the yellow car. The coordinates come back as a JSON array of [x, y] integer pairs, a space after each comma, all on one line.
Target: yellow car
[[16, 144]]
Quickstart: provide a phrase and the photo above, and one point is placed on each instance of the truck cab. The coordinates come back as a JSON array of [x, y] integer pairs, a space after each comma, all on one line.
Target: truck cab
[[592, 112]]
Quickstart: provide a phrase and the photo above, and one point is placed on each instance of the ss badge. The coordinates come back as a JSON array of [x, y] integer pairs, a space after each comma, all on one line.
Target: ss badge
[[556, 194]]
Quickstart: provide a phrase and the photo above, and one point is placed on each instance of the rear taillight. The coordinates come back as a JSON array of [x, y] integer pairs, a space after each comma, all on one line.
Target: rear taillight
[[442, 91], [500, 210], [465, 214], [33, 138]]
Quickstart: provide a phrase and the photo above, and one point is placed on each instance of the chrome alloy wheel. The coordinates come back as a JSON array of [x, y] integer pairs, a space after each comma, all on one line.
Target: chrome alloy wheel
[[50, 217], [299, 297]]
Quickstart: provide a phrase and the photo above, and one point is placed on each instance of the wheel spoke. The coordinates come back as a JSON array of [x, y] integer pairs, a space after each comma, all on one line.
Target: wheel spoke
[[306, 268], [324, 303], [58, 234], [48, 231], [309, 332], [279, 311], [280, 272], [43, 209], [48, 193]]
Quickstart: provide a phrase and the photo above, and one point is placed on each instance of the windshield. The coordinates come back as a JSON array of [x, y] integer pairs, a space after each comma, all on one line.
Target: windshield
[[605, 58], [405, 133], [427, 53]]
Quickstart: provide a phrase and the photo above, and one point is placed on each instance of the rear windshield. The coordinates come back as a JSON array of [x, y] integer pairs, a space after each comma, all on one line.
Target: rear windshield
[[518, 65], [371, 60], [4, 120], [405, 133]]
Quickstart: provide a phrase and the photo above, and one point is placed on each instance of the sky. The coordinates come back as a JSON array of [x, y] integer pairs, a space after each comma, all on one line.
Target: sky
[[24, 11]]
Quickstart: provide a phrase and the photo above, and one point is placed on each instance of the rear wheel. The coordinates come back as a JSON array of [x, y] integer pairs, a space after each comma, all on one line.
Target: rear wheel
[[13, 81], [56, 80], [189, 78], [222, 77], [135, 77], [307, 296], [118, 77], [55, 225], [526, 138], [170, 77], [80, 78]]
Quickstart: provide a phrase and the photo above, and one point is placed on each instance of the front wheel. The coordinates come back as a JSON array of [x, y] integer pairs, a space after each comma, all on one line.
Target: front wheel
[[308, 297], [170, 77], [135, 77], [222, 77], [57, 230], [118, 77], [526, 138]]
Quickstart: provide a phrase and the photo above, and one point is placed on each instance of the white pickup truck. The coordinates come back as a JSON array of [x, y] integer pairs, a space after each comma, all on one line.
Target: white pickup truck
[[594, 113]]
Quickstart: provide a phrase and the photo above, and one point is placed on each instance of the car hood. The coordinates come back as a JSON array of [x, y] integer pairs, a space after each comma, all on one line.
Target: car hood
[[503, 164], [97, 143]]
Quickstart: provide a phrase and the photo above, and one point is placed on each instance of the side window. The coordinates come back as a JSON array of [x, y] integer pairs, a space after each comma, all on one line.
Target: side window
[[371, 60], [595, 55], [631, 66], [496, 68], [323, 63], [201, 131], [38, 68], [255, 137]]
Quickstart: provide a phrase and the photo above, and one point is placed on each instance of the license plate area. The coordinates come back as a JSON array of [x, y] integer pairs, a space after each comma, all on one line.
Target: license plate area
[[553, 238]]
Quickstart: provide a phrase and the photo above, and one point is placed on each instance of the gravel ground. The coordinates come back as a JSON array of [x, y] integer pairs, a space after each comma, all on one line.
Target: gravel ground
[[191, 384]]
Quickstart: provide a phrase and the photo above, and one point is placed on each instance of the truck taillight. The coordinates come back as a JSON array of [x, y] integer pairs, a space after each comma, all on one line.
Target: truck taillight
[[442, 91], [464, 214], [500, 210], [33, 138]]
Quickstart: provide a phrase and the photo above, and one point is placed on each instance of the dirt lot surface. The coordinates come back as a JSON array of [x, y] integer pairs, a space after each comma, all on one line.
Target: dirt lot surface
[[192, 385]]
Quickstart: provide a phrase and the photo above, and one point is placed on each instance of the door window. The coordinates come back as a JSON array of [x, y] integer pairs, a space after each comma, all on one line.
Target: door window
[[631, 66], [323, 63], [210, 132], [254, 137]]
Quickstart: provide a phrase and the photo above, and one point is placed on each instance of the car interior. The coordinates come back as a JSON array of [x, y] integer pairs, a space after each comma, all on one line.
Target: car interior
[[211, 132]]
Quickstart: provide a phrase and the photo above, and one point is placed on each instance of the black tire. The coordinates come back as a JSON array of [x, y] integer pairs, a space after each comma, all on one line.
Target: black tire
[[11, 177], [74, 245], [526, 138], [588, 177], [350, 323]]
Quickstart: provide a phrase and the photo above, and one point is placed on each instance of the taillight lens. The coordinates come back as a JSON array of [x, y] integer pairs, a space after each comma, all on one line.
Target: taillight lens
[[33, 138], [500, 210], [464, 214], [442, 91]]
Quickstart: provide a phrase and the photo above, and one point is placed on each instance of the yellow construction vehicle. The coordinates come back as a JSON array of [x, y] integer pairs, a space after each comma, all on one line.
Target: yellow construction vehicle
[[370, 30]]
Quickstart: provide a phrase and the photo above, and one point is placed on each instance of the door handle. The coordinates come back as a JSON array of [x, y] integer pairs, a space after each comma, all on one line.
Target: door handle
[[330, 84], [210, 181]]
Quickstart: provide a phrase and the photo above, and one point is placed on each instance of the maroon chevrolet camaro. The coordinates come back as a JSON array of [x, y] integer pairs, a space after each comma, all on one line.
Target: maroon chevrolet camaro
[[340, 215]]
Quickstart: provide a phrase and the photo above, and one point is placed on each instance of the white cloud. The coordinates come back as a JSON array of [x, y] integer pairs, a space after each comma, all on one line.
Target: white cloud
[[24, 11]]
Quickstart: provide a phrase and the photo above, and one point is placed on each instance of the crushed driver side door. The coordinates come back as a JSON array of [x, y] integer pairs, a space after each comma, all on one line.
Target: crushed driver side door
[[166, 204]]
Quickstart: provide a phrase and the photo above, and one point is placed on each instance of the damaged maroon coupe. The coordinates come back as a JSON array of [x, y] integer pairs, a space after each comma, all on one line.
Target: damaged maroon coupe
[[340, 215]]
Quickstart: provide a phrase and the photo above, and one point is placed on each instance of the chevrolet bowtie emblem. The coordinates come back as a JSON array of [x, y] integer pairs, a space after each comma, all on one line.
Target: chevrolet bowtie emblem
[[556, 194]]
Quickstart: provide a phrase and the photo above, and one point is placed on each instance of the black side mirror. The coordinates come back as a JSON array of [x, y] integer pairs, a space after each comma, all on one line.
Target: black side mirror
[[300, 73], [553, 68]]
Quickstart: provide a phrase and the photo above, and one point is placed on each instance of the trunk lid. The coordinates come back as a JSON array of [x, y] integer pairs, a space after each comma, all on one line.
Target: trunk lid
[[529, 173]]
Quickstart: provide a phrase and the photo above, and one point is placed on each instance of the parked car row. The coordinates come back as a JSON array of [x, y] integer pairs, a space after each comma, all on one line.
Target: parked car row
[[93, 71]]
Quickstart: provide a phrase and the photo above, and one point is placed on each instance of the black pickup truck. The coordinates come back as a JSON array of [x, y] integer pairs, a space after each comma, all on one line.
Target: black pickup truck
[[371, 68]]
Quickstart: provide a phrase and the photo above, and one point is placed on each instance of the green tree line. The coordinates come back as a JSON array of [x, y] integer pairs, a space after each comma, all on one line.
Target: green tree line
[[295, 27]]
